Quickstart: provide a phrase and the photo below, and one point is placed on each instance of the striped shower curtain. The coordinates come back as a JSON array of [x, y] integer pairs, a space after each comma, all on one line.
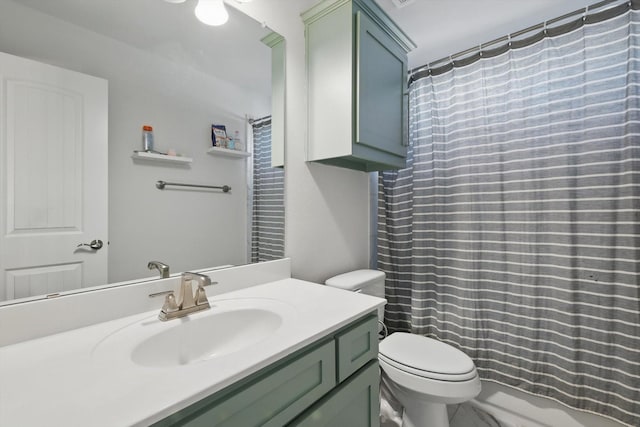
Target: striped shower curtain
[[267, 223], [514, 232]]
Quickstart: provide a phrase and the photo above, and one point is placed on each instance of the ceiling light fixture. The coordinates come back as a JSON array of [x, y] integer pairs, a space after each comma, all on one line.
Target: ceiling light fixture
[[211, 12]]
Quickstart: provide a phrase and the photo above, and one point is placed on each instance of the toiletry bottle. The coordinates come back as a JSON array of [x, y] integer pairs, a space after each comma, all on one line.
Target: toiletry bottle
[[237, 142], [231, 143], [147, 138]]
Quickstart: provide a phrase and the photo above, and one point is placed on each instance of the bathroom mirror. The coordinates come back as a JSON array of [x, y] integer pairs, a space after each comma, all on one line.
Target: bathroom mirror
[[167, 70]]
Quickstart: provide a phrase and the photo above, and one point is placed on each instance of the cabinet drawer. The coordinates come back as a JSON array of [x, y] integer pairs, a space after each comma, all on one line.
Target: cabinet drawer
[[272, 399], [357, 346], [355, 403]]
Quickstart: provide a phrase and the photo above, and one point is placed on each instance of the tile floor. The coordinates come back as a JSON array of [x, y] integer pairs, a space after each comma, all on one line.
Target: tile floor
[[468, 415], [463, 415]]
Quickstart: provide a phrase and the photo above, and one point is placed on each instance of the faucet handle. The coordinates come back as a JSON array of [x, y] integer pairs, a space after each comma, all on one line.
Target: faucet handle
[[170, 303], [201, 296]]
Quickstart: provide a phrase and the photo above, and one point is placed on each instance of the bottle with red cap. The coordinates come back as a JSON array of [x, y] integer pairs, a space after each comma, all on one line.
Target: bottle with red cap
[[147, 138]]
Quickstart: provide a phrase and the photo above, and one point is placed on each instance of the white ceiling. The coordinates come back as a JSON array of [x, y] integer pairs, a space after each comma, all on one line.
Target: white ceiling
[[232, 51], [444, 27]]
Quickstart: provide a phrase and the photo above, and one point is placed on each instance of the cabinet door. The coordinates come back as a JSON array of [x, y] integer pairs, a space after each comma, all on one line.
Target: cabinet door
[[381, 82], [271, 400], [277, 45], [356, 346], [277, 103], [355, 403]]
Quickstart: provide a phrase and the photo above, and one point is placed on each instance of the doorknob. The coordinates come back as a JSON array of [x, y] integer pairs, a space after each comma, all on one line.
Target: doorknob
[[95, 244]]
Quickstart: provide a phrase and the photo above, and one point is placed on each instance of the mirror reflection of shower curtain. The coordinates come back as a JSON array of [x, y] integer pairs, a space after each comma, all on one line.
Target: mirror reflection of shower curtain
[[267, 222], [514, 232]]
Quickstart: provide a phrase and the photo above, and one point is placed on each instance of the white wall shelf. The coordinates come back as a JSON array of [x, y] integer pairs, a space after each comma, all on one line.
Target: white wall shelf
[[225, 152], [160, 158]]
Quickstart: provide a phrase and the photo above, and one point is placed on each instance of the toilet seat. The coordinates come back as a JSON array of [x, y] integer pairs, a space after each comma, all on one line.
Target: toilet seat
[[426, 357], [407, 387]]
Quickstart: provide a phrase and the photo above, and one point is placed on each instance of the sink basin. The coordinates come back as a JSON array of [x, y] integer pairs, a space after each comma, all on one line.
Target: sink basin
[[228, 327], [200, 338]]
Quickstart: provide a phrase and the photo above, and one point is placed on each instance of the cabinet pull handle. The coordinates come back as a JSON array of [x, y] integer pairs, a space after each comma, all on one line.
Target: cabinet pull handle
[[405, 125]]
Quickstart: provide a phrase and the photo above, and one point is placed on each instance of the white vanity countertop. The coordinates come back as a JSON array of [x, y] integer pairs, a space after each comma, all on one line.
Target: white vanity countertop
[[59, 380]]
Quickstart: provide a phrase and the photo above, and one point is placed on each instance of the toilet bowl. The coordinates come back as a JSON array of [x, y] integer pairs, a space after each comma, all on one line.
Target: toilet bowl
[[422, 374], [425, 375]]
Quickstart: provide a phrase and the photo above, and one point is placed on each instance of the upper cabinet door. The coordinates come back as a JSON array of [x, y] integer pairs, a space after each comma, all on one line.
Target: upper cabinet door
[[381, 75], [278, 79]]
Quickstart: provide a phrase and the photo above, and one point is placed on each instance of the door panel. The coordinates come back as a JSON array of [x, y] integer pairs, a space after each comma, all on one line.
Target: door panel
[[45, 160], [53, 146], [23, 283], [381, 112]]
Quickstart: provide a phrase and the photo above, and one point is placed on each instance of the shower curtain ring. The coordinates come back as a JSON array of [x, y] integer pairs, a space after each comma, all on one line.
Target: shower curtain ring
[[586, 12]]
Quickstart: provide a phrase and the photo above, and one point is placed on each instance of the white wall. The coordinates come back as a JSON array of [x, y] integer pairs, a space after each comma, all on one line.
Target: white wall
[[186, 229], [326, 208]]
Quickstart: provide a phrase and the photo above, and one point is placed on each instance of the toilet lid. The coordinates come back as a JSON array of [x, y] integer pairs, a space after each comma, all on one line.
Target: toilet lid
[[356, 280], [422, 355]]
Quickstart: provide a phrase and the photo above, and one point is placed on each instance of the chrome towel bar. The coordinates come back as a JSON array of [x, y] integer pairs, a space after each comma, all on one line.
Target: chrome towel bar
[[161, 184]]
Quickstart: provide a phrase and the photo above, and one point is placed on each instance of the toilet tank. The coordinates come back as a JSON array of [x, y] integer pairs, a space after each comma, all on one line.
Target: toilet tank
[[369, 282]]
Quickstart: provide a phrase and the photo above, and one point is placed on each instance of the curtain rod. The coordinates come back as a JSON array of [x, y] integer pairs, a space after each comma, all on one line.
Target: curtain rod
[[252, 121], [543, 25]]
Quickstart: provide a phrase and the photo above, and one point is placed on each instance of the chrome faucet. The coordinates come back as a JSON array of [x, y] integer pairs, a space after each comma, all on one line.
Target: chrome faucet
[[187, 301], [162, 268]]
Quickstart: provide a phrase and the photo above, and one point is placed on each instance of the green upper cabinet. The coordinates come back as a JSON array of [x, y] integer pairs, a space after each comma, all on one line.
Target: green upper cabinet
[[357, 83], [277, 44]]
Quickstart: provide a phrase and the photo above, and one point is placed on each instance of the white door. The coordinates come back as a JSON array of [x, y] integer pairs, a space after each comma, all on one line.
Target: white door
[[53, 179]]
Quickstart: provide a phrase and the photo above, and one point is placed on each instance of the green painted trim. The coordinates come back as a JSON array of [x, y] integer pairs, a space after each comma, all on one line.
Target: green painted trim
[[371, 8], [322, 9], [363, 152], [357, 50], [375, 12], [354, 163], [272, 39], [379, 16]]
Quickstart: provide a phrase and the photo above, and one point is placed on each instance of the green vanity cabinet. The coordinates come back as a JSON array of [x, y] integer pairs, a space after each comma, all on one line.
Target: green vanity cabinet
[[353, 404], [357, 86], [306, 388]]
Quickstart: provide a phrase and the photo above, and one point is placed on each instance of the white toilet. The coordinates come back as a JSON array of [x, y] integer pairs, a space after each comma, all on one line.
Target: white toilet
[[423, 374]]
